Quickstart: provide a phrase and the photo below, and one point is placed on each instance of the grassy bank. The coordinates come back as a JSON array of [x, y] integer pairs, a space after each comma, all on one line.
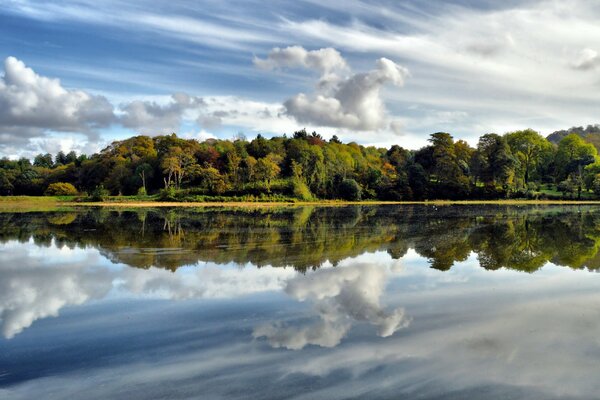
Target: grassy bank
[[41, 203], [35, 203], [335, 203]]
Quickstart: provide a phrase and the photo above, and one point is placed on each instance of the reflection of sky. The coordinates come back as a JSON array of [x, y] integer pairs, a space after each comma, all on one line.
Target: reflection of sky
[[371, 327]]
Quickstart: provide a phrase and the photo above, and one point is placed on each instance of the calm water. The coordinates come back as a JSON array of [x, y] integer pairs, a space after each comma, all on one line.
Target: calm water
[[307, 303]]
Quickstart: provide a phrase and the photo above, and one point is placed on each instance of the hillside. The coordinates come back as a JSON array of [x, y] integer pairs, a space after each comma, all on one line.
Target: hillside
[[590, 134]]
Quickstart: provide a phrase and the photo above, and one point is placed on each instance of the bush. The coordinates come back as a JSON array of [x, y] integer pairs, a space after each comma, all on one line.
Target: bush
[[349, 189], [565, 187], [533, 187], [596, 184], [142, 191], [301, 191], [99, 194], [60, 189], [168, 194]]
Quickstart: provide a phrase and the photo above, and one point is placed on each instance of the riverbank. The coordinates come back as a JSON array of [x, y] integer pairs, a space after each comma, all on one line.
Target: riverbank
[[46, 202]]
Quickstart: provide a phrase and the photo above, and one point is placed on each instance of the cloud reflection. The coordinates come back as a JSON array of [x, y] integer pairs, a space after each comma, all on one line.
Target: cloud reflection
[[340, 296], [37, 283]]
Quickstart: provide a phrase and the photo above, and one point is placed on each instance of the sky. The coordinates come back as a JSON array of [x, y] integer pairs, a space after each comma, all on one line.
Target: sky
[[76, 75]]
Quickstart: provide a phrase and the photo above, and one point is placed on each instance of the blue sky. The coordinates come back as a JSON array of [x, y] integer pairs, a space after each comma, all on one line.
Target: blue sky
[[377, 72]]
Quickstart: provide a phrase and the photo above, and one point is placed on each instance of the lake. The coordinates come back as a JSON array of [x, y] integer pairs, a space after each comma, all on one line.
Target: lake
[[377, 302]]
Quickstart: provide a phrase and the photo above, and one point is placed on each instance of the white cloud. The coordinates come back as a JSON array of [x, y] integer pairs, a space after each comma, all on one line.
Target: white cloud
[[149, 117], [508, 67], [352, 102], [521, 64], [31, 105], [325, 60], [587, 59]]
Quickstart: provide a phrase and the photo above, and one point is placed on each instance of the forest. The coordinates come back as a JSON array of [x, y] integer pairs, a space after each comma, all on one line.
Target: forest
[[305, 166]]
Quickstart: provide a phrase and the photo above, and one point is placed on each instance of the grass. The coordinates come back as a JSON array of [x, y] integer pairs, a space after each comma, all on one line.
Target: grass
[[34, 203], [36, 199], [550, 191], [47, 203]]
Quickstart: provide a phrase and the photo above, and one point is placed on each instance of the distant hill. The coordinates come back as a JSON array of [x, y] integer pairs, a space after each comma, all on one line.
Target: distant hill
[[590, 134]]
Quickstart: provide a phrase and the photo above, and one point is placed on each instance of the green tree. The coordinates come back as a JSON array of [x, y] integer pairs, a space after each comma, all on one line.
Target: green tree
[[266, 170], [494, 162], [530, 148], [572, 152], [43, 161]]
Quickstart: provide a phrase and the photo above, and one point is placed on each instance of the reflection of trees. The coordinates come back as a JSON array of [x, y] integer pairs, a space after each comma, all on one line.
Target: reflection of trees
[[522, 238]]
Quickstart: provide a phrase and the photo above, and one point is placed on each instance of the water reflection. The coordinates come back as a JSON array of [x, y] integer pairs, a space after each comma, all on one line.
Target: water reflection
[[48, 262], [339, 297], [37, 283], [522, 238], [320, 303]]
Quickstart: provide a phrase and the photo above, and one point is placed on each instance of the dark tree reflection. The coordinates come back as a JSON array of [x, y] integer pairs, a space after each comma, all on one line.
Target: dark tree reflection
[[523, 238]]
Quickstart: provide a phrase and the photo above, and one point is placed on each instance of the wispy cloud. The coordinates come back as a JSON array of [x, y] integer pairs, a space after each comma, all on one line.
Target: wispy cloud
[[499, 66]]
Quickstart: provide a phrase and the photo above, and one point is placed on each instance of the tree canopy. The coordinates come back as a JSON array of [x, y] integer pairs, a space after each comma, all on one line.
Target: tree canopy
[[306, 166]]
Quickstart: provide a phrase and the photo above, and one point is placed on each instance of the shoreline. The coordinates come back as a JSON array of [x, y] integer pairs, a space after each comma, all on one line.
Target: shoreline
[[141, 204], [18, 202]]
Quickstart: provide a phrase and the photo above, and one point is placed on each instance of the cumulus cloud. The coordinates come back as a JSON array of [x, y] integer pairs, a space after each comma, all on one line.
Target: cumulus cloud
[[352, 102], [31, 105], [326, 60], [149, 117], [340, 296]]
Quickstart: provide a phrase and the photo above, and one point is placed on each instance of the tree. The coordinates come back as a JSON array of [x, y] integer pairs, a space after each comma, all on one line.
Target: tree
[[71, 157], [572, 155], [210, 178], [174, 166], [529, 147], [43, 161], [494, 162], [7, 178], [144, 171], [266, 170], [450, 178], [61, 158], [335, 139]]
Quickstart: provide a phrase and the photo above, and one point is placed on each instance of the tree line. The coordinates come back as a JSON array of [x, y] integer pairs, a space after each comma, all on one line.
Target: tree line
[[305, 166]]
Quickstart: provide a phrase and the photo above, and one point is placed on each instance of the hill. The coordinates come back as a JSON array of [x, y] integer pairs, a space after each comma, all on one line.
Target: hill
[[590, 134]]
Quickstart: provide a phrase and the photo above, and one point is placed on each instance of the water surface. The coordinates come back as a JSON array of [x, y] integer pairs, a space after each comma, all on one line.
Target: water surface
[[377, 302]]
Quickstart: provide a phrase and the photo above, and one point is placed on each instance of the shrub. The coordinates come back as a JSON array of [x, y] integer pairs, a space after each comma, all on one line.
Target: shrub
[[168, 194], [301, 191], [533, 187], [99, 194], [349, 189], [60, 189], [596, 184], [142, 191], [565, 187]]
